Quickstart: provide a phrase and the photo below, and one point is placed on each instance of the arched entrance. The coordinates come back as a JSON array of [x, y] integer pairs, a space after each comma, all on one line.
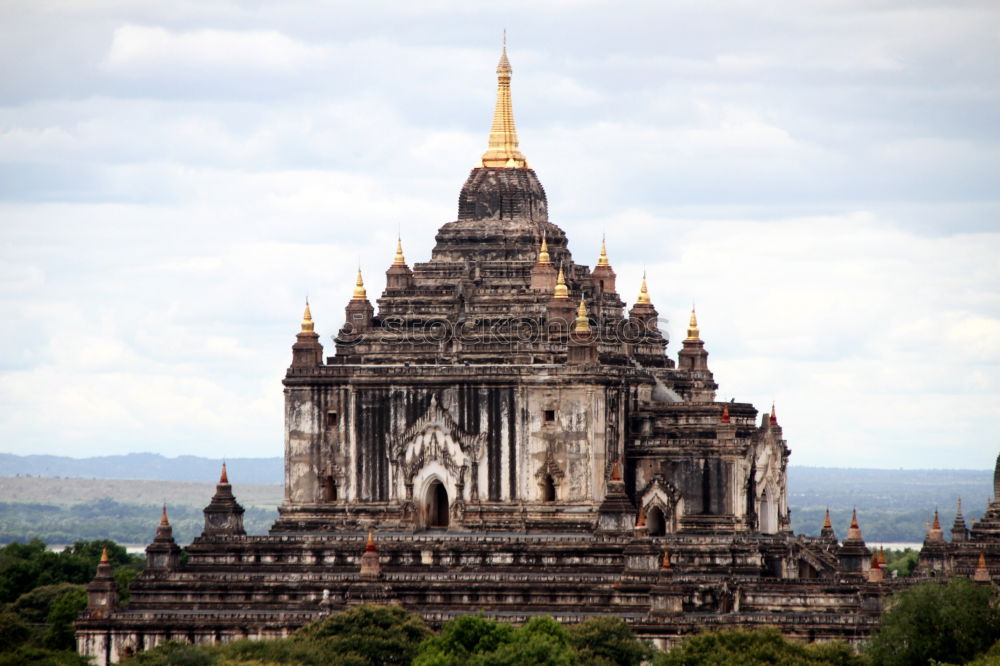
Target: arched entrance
[[437, 505], [548, 489], [656, 524]]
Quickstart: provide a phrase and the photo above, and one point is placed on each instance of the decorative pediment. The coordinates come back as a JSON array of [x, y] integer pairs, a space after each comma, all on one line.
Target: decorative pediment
[[551, 468], [438, 418], [660, 492]]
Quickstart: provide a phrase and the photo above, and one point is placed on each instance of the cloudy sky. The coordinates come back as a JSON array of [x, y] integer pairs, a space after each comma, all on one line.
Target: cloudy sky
[[821, 178]]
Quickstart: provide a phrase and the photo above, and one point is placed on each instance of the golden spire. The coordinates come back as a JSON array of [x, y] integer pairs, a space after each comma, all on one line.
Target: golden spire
[[543, 254], [693, 331], [641, 520], [307, 320], [582, 322], [982, 560], [359, 289], [502, 150], [163, 518], [826, 520], [370, 544], [616, 473], [603, 259], [224, 478], [643, 292], [666, 559], [399, 259], [937, 522], [562, 291], [104, 555]]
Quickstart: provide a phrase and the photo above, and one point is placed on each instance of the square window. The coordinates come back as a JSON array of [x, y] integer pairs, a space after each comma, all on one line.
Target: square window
[[331, 419], [549, 415]]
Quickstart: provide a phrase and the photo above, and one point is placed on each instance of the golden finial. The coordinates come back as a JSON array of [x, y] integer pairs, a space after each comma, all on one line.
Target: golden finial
[[582, 322], [616, 473], [104, 555], [982, 560], [854, 518], [543, 254], [307, 320], [562, 291], [937, 521], [643, 292], [666, 559], [641, 520], [399, 259], [224, 477], [163, 518], [603, 259], [370, 545], [693, 331], [503, 150], [826, 520], [359, 289]]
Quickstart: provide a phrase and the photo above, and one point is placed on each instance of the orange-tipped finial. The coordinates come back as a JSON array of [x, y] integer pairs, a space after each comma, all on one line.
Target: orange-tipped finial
[[875, 564], [163, 518], [370, 545], [826, 520], [937, 523], [104, 555], [774, 415], [224, 478], [616, 473], [982, 560], [666, 559], [854, 518], [725, 413], [881, 555], [641, 520]]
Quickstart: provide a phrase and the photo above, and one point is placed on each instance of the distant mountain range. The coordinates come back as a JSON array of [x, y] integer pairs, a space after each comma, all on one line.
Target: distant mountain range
[[150, 466]]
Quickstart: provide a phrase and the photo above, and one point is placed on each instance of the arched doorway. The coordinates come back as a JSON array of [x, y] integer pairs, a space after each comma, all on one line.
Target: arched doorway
[[656, 524], [437, 505], [548, 489]]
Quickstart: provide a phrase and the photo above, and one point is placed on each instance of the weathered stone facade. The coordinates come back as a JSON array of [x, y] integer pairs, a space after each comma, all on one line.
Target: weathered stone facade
[[518, 444]]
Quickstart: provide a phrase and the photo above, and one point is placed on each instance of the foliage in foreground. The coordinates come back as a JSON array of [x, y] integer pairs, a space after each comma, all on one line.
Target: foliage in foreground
[[953, 622], [377, 635], [739, 647]]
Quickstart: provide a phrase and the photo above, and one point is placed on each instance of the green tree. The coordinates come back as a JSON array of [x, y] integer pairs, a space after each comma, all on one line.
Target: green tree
[[13, 631], [740, 647], [61, 635], [378, 634], [951, 622], [608, 641], [541, 641], [462, 638]]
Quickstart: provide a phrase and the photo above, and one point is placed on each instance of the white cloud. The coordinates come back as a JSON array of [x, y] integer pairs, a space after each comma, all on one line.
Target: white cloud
[[136, 48], [821, 179]]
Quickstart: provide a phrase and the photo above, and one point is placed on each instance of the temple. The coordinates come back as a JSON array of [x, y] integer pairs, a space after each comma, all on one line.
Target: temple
[[499, 432]]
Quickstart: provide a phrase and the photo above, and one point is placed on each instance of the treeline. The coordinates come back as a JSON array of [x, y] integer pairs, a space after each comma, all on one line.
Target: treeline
[[108, 519], [42, 592]]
